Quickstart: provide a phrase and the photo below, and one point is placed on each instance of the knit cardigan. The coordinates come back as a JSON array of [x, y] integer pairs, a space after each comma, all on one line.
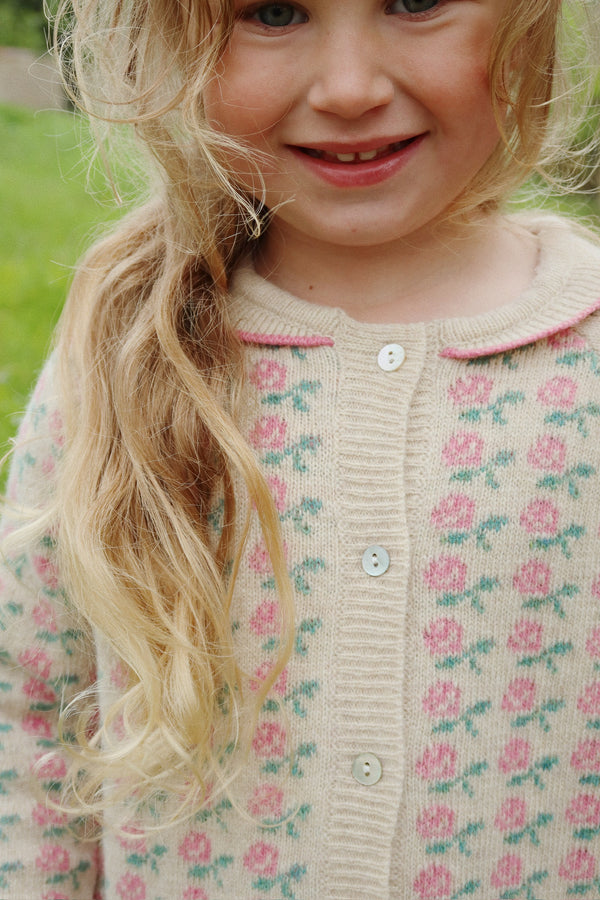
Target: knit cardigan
[[438, 486]]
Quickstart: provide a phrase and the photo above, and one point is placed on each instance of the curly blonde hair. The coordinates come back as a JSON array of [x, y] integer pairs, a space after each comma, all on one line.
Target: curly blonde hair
[[151, 369]]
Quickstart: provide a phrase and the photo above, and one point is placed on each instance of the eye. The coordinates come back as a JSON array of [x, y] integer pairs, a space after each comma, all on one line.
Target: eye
[[277, 15], [412, 6]]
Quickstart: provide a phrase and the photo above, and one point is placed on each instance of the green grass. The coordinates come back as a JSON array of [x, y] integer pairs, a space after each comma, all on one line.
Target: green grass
[[48, 220]]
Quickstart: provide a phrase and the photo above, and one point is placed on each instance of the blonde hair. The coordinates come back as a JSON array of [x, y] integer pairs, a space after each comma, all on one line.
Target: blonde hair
[[151, 368]]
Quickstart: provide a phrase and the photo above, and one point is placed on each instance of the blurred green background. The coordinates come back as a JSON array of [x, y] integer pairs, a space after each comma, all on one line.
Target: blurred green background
[[51, 211]]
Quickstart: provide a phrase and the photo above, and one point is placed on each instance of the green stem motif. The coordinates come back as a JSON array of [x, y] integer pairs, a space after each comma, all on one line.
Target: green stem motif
[[297, 452], [577, 416], [530, 830], [553, 600], [569, 480], [539, 715], [501, 460], [544, 764], [471, 655], [484, 586], [547, 657], [297, 394], [447, 726], [561, 540], [496, 409], [475, 770]]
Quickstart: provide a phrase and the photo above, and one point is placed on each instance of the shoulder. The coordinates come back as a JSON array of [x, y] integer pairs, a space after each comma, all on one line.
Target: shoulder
[[39, 442]]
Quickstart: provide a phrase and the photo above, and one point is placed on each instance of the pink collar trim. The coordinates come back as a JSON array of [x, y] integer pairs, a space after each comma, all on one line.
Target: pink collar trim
[[492, 349], [285, 340]]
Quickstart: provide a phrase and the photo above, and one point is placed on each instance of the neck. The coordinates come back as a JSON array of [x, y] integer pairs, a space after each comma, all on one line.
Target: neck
[[462, 270]]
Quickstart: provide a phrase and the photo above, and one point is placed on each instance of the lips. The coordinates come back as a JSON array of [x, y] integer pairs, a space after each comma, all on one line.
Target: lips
[[357, 156]]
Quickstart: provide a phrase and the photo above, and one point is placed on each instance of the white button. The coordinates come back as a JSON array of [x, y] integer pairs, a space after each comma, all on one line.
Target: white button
[[376, 560], [391, 357], [366, 768]]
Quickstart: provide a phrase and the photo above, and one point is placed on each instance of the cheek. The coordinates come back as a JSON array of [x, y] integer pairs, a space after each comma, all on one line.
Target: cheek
[[243, 101]]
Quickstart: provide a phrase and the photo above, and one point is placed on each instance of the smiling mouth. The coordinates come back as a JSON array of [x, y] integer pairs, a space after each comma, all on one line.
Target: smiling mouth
[[358, 156]]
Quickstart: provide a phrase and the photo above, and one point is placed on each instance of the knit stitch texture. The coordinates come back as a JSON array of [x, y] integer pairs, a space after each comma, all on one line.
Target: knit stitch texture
[[470, 668]]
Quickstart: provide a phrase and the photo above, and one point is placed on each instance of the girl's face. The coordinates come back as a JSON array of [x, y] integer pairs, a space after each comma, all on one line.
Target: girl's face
[[372, 116]]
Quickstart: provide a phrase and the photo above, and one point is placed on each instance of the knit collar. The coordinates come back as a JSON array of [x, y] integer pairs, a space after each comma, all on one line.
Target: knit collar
[[564, 291]]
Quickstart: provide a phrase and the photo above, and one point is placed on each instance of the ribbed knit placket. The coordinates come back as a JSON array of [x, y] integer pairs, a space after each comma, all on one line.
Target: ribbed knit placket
[[367, 758]]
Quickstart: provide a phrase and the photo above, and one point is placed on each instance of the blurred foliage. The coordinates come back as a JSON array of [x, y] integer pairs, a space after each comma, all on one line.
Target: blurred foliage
[[54, 210], [23, 24]]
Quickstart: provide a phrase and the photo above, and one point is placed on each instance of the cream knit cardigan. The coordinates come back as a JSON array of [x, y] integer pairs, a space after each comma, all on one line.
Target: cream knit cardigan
[[439, 491]]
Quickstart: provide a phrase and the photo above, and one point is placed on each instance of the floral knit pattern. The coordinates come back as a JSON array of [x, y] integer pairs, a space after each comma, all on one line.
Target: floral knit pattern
[[469, 669], [508, 703]]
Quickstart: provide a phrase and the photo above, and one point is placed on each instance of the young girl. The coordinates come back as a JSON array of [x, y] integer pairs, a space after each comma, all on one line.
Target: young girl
[[309, 605]]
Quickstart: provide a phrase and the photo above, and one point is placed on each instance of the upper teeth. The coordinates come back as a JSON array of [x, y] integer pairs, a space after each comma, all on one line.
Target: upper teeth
[[350, 157]]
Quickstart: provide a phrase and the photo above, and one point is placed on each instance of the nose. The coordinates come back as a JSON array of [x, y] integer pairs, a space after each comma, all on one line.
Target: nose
[[350, 78]]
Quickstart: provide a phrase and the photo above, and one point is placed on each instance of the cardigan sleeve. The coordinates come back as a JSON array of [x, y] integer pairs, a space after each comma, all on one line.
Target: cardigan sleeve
[[45, 658]]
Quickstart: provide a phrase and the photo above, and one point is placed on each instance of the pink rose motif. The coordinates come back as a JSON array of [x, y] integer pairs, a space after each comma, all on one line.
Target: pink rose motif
[[50, 767], [195, 847], [474, 390], [44, 616], [589, 702], [515, 756], [46, 571], [584, 809], [446, 573], [55, 895], [596, 587], [526, 637], [558, 392], [592, 645], [512, 814], [131, 887], [465, 448], [39, 691], [44, 816], [578, 865], [508, 872], [119, 675], [433, 883], [37, 660], [278, 491], [133, 841], [57, 427], [48, 465], [261, 859], [438, 763], [268, 375], [586, 756], [533, 577], [442, 700], [262, 672], [266, 802], [53, 858], [268, 433], [444, 637], [520, 695], [456, 511], [266, 618], [269, 740], [36, 724], [548, 453], [566, 339], [194, 893], [259, 560], [436, 822], [540, 517]]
